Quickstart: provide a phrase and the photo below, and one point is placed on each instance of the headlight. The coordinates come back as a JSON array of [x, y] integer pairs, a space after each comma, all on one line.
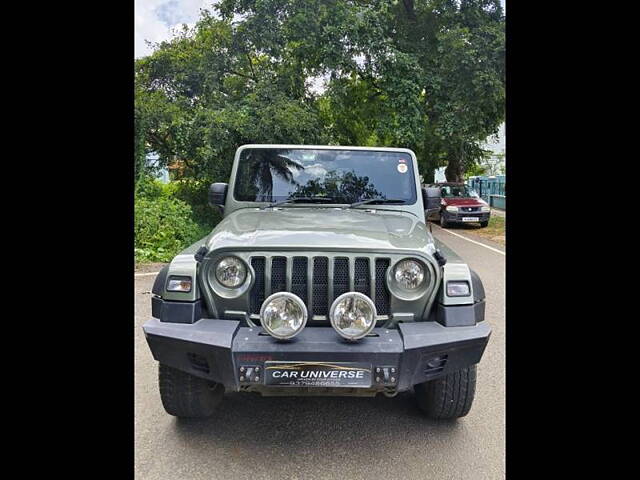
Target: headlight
[[231, 272], [283, 315], [486, 209], [452, 209], [353, 315], [409, 274], [179, 284]]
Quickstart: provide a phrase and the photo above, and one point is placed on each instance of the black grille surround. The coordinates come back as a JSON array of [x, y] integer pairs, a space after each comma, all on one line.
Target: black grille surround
[[329, 277]]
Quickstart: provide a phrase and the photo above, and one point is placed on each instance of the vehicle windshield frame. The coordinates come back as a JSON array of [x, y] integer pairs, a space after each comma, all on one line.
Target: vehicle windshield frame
[[409, 193], [469, 192]]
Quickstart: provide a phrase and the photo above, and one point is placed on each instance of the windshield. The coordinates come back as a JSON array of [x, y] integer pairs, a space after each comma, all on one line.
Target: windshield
[[457, 191], [343, 176]]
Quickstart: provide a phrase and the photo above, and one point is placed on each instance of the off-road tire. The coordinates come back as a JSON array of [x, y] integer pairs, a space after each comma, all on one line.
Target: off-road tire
[[186, 396], [443, 221], [448, 397], [484, 224]]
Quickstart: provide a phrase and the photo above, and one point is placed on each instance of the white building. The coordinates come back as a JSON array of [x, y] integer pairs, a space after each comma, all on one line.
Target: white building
[[495, 164]]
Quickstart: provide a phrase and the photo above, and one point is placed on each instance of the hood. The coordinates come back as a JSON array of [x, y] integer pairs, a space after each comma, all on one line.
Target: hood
[[319, 228], [464, 201]]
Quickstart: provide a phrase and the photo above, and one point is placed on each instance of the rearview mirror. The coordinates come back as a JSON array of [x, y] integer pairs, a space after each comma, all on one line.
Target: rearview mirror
[[217, 194]]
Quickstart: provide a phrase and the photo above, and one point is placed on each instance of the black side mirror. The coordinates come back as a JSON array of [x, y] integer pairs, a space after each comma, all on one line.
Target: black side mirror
[[431, 198], [218, 194]]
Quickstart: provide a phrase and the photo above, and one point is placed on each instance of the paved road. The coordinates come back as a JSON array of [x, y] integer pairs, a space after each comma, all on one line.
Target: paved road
[[328, 438]]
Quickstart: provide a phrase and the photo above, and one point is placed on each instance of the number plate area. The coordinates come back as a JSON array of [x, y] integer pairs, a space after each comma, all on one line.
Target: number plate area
[[470, 219], [318, 374]]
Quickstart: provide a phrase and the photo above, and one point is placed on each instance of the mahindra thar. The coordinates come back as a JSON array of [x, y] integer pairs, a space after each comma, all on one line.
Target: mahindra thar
[[321, 279]]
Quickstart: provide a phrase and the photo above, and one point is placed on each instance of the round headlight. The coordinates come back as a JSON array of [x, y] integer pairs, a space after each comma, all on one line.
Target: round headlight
[[409, 274], [231, 272], [283, 315], [353, 315]]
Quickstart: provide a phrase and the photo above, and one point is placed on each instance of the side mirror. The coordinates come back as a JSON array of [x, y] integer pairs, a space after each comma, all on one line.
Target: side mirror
[[218, 194], [431, 198]]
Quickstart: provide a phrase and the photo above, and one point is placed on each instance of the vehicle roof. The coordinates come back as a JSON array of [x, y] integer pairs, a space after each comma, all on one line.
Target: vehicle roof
[[325, 147], [447, 183]]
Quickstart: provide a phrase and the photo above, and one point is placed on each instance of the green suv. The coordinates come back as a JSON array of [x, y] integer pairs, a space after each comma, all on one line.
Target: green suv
[[321, 279]]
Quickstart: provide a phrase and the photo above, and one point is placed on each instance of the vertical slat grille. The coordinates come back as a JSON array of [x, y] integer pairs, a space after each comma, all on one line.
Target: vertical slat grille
[[299, 278], [278, 274], [340, 277], [320, 285], [257, 291], [368, 277], [362, 279], [382, 295]]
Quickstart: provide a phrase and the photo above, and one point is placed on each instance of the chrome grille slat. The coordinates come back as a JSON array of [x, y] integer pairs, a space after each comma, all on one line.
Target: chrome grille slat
[[267, 277], [352, 279], [372, 278], [330, 283], [289, 274], [309, 286]]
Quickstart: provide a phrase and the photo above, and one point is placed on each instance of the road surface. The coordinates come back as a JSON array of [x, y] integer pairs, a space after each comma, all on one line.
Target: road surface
[[255, 438]]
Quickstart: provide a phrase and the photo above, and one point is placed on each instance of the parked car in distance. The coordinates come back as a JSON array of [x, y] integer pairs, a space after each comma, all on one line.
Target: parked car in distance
[[459, 204]]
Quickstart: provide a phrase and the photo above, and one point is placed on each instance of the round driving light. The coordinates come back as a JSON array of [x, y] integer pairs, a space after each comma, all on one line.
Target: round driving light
[[283, 315], [353, 315], [409, 274], [231, 272]]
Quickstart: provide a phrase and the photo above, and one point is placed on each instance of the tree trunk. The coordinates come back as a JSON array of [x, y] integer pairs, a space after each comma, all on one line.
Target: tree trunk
[[455, 168], [410, 9], [454, 172]]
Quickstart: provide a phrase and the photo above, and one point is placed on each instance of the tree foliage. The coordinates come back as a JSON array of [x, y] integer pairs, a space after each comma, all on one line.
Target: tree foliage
[[163, 223], [422, 74]]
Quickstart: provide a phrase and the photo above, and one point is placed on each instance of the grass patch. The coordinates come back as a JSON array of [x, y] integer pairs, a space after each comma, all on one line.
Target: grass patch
[[495, 231]]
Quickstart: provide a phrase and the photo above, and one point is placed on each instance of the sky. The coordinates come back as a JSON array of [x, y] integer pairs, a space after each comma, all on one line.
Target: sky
[[497, 145], [156, 19]]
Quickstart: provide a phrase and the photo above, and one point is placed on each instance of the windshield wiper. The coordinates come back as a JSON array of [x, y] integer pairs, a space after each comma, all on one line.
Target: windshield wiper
[[376, 200], [298, 199]]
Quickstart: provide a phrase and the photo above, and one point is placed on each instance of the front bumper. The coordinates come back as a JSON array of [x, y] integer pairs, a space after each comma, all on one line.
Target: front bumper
[[223, 351], [457, 217]]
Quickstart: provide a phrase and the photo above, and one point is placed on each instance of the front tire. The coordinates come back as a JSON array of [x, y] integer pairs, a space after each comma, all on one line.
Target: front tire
[[448, 397], [484, 224], [186, 396]]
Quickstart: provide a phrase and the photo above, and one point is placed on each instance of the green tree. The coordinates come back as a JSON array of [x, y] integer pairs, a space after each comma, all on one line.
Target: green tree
[[209, 90], [422, 74], [428, 75]]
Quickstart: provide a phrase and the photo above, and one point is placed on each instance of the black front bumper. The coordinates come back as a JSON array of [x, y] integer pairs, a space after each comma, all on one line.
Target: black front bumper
[[223, 351]]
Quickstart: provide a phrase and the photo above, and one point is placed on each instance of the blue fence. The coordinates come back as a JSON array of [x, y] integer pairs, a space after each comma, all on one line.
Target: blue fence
[[491, 189]]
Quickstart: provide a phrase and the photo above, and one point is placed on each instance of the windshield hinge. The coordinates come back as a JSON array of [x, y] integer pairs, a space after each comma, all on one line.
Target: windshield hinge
[[439, 258], [199, 255]]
